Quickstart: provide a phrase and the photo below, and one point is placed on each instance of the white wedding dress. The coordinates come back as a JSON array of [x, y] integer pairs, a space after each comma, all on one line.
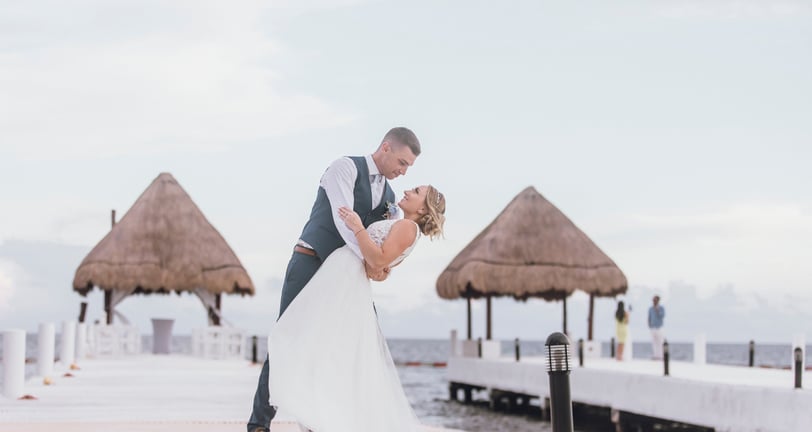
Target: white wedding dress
[[330, 367]]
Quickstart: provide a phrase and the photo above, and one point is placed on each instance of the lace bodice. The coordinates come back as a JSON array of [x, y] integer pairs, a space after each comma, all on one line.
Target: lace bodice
[[378, 232]]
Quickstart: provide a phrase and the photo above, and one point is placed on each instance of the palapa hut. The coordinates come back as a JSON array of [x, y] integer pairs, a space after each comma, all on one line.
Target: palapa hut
[[531, 249], [163, 244]]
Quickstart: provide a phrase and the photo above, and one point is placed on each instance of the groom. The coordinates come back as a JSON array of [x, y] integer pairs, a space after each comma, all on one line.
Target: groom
[[360, 183]]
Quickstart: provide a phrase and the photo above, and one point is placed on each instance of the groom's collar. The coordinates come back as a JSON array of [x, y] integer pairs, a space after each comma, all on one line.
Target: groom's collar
[[373, 169]]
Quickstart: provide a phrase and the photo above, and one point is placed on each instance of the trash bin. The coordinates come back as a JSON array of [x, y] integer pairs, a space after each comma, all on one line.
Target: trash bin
[[161, 335]]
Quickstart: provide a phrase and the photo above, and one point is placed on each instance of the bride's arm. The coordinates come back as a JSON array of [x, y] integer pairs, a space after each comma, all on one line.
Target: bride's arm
[[400, 237]]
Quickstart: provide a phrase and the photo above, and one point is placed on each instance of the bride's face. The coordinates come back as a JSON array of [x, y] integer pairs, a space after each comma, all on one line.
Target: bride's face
[[414, 200]]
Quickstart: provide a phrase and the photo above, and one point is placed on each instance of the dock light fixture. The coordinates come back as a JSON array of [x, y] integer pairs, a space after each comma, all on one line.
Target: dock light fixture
[[517, 347], [559, 361], [799, 369], [751, 361], [581, 352], [665, 358]]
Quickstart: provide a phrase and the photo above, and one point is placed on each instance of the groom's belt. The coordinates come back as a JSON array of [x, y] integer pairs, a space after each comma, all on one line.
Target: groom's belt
[[304, 251]]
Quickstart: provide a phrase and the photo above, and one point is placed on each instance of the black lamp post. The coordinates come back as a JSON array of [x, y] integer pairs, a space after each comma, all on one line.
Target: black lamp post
[[559, 364], [799, 370]]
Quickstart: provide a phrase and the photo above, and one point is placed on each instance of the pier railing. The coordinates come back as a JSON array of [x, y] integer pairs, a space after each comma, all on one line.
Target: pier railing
[[218, 342]]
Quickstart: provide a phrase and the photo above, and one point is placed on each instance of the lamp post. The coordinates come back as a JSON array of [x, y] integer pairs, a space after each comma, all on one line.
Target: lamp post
[[581, 352], [799, 359], [751, 360], [559, 360], [517, 348]]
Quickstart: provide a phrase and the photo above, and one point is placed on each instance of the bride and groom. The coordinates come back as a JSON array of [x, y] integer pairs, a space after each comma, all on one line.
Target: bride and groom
[[328, 364]]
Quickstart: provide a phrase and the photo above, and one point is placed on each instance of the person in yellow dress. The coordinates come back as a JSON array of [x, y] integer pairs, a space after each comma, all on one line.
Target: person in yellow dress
[[621, 329]]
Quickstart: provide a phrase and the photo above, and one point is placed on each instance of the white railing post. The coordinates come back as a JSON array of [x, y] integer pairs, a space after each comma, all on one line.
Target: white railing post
[[67, 353], [81, 341], [13, 363], [700, 349], [46, 340]]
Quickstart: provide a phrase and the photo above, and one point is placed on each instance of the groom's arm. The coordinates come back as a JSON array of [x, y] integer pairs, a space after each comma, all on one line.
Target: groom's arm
[[338, 182]]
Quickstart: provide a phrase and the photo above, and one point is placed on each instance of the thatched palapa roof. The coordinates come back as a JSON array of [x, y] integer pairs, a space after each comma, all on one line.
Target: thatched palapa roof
[[530, 250], [163, 244]]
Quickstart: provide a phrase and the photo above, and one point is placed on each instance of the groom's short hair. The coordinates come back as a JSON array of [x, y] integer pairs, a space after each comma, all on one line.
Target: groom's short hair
[[403, 136]]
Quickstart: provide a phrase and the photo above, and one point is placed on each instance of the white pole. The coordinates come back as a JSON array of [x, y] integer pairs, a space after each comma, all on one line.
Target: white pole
[[45, 360], [700, 349], [81, 341], [13, 363], [68, 351], [454, 350]]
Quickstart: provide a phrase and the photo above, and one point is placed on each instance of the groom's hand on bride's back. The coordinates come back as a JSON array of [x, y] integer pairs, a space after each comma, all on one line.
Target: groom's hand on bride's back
[[378, 275]]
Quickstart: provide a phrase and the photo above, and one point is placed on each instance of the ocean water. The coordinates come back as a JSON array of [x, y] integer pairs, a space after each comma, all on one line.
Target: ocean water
[[428, 391]]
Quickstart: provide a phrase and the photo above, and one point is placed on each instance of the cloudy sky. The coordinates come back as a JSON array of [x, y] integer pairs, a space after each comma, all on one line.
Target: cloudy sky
[[675, 133]]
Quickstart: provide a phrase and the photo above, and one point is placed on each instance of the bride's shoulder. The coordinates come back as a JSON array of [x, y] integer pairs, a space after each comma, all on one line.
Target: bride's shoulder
[[407, 226]]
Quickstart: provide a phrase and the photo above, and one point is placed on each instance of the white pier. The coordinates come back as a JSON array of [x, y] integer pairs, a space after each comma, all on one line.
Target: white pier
[[142, 393], [726, 398]]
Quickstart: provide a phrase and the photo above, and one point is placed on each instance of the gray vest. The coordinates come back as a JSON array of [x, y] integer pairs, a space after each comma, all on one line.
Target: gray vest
[[320, 230]]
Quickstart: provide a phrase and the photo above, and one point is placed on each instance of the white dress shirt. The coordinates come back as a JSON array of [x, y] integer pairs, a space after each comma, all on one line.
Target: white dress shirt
[[339, 183]]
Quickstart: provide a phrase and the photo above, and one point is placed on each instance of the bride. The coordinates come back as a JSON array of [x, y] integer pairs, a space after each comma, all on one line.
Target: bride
[[330, 366]]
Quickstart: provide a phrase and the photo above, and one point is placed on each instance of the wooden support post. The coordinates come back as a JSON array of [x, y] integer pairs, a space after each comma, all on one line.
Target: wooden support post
[[469, 318], [215, 318], [108, 305], [108, 294], [488, 335], [493, 399], [82, 311], [565, 317], [545, 409], [591, 316], [468, 396]]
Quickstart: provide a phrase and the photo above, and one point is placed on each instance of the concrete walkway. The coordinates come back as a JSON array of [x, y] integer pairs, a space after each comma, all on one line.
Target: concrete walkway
[[144, 393]]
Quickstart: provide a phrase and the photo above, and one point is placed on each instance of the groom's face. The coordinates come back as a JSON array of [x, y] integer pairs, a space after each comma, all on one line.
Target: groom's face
[[396, 159]]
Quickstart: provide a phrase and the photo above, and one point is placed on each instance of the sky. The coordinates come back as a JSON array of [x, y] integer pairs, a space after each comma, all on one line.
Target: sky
[[674, 133]]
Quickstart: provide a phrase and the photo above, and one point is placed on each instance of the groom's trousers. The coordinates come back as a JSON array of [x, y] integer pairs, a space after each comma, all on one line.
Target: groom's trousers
[[301, 269]]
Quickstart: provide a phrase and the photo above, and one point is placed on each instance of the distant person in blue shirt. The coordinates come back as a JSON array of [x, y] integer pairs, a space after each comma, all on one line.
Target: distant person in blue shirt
[[656, 314]]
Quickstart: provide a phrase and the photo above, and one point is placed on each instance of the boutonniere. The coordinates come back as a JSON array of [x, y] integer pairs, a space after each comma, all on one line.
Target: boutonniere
[[391, 210]]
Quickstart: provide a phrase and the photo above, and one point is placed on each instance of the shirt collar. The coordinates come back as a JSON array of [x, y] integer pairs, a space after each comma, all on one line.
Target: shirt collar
[[373, 169]]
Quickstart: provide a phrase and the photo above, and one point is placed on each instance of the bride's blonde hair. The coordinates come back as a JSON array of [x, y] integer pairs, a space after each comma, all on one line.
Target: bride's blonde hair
[[431, 224]]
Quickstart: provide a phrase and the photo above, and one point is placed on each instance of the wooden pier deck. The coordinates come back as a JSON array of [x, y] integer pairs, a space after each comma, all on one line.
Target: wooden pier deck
[[143, 393], [726, 398]]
